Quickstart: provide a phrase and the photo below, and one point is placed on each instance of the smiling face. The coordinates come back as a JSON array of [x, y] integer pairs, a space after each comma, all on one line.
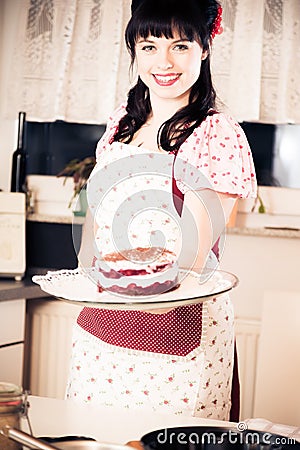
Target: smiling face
[[169, 67]]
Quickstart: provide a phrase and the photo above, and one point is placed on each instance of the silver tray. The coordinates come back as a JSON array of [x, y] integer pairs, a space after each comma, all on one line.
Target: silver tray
[[77, 287]]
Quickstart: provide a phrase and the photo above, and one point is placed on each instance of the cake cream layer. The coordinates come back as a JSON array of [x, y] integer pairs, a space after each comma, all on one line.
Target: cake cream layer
[[170, 274], [150, 260]]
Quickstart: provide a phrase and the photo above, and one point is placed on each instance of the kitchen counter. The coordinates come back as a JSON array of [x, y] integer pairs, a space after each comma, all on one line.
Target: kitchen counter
[[268, 231], [52, 218], [52, 417], [12, 290]]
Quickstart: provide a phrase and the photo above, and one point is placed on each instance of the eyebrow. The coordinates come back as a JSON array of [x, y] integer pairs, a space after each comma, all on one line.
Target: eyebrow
[[153, 42]]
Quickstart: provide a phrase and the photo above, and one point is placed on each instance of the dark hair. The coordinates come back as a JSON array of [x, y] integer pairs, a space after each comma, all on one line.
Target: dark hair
[[193, 20]]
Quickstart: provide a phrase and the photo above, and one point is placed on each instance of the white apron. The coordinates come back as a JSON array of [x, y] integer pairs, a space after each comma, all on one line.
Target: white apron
[[197, 383]]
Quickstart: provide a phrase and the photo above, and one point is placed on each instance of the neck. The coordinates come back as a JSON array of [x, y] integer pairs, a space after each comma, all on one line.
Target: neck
[[163, 109]]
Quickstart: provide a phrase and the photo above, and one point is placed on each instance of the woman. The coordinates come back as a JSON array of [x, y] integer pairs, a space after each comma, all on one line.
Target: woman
[[178, 360]]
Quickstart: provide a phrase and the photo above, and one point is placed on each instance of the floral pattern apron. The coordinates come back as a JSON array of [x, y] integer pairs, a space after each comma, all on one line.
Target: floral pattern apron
[[180, 362], [197, 384]]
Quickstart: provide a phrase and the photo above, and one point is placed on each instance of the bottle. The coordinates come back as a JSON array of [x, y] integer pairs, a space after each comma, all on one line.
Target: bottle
[[18, 174], [11, 408]]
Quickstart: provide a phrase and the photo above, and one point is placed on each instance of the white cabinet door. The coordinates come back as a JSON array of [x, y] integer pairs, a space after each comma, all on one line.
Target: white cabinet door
[[12, 321], [51, 329], [277, 393], [11, 364], [12, 327]]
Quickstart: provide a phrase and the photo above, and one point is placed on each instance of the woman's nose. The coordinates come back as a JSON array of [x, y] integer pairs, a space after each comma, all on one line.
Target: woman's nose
[[164, 61]]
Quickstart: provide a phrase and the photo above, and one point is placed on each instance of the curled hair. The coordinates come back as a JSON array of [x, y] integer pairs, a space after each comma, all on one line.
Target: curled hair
[[192, 20]]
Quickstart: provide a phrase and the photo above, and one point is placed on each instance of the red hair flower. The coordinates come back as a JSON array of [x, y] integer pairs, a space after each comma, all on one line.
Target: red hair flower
[[217, 28]]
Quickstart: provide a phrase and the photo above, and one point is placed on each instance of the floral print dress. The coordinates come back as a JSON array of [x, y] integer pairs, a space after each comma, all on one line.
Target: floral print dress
[[181, 361]]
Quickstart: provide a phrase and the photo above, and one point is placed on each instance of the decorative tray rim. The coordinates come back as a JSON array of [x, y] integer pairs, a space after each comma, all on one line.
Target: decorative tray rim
[[188, 292]]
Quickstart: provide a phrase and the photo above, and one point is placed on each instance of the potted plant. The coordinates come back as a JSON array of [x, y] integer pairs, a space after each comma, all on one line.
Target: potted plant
[[80, 170], [261, 207]]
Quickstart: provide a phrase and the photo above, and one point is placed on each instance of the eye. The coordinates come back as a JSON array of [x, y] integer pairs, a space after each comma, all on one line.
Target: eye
[[148, 48], [181, 47]]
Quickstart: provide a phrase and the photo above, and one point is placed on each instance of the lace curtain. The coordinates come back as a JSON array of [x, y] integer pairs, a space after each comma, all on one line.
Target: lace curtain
[[256, 60], [69, 59], [70, 62]]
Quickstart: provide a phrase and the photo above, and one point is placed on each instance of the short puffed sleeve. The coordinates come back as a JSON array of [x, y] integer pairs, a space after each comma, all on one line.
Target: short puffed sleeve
[[216, 156], [111, 128]]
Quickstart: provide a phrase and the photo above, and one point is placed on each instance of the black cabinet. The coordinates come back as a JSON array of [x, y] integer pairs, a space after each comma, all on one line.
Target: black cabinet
[[51, 246], [262, 140], [51, 145]]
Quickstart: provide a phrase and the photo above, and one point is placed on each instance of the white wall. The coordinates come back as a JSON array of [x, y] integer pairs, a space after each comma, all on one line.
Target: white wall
[[262, 263], [8, 138]]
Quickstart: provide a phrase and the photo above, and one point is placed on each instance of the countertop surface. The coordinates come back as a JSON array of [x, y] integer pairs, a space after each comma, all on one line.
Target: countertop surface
[[52, 218], [11, 289], [52, 417], [268, 231]]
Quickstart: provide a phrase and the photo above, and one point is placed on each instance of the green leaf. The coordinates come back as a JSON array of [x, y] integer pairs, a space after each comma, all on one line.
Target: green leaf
[[261, 208]]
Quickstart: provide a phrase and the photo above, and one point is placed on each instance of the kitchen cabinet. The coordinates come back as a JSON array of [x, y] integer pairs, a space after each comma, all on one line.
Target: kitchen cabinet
[[50, 324], [266, 261], [12, 332], [51, 245], [12, 234], [278, 368]]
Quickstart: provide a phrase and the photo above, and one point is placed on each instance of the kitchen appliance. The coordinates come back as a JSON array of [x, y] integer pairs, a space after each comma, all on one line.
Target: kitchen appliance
[[12, 234]]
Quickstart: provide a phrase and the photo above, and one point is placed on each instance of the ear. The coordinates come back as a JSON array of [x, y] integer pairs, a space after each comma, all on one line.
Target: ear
[[204, 54]]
